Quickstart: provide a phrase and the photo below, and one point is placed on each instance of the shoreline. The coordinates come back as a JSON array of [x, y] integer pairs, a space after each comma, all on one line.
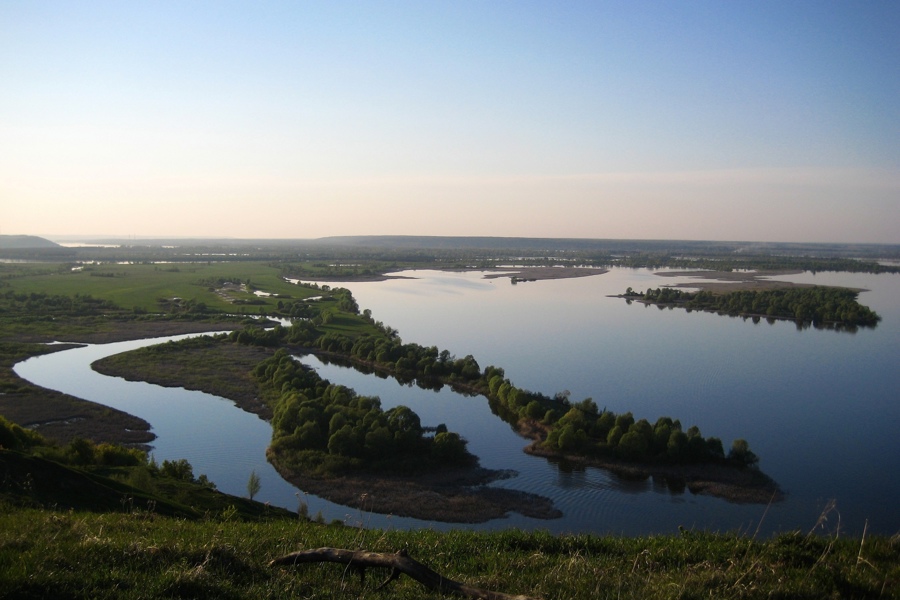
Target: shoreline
[[459, 495], [462, 495]]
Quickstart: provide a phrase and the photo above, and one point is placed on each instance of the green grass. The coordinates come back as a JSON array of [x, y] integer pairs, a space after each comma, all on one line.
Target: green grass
[[140, 554], [350, 325], [141, 285]]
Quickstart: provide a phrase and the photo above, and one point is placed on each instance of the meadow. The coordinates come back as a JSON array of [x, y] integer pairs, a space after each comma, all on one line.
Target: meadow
[[141, 286]]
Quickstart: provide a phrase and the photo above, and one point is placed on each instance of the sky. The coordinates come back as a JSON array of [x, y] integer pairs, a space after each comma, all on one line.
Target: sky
[[738, 121]]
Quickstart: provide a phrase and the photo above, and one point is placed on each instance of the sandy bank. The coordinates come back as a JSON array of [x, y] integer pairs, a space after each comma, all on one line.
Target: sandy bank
[[542, 273]]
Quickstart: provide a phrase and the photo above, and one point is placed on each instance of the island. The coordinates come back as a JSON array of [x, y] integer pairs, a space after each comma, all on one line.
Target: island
[[819, 306]]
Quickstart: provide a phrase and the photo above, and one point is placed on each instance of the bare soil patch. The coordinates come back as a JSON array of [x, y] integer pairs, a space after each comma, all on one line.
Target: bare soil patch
[[542, 273], [449, 495]]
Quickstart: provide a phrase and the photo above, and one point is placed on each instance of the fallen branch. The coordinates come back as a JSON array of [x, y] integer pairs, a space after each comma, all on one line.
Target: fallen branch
[[399, 563]]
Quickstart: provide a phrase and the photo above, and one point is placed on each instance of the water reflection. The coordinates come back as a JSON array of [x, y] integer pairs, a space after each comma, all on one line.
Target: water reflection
[[731, 377]]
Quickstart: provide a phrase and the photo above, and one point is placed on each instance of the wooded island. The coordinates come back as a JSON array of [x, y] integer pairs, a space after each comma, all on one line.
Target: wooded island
[[817, 305]]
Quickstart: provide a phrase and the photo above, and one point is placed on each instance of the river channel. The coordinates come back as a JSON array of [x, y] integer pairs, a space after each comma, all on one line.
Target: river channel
[[819, 407]]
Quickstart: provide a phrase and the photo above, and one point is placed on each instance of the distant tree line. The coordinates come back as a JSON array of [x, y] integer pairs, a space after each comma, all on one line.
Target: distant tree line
[[818, 305], [762, 262]]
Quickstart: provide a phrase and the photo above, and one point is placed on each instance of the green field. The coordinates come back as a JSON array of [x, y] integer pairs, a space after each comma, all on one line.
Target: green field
[[142, 286]]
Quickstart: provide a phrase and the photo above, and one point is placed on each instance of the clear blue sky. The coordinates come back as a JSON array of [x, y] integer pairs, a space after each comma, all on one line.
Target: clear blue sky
[[775, 121]]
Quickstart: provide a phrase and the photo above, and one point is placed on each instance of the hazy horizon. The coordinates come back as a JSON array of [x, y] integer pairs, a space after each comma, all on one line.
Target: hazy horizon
[[764, 122]]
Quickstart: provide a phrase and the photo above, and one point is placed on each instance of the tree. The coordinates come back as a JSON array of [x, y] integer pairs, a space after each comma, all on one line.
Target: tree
[[253, 484], [405, 425], [633, 446], [448, 447], [343, 442], [741, 453], [179, 469]]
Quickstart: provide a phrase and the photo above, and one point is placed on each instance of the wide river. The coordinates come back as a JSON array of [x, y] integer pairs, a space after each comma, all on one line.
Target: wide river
[[819, 407]]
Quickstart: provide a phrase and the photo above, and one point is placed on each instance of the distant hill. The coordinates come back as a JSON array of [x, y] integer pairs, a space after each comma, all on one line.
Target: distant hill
[[496, 243], [20, 242], [611, 246]]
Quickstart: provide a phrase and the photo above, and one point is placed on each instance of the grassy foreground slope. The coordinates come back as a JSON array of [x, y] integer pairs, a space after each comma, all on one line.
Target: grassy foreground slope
[[78, 528], [139, 554]]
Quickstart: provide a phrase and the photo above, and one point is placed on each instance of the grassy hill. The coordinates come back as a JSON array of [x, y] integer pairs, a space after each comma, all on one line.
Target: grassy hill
[[71, 533], [16, 242]]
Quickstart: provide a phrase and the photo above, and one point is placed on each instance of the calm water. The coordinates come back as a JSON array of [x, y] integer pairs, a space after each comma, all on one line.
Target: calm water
[[819, 407]]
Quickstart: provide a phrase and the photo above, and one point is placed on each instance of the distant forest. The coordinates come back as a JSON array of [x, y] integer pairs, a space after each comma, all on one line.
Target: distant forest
[[371, 255]]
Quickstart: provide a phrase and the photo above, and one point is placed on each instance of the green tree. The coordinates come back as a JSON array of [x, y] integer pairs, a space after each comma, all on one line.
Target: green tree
[[253, 484], [741, 453], [448, 447], [634, 446], [615, 434]]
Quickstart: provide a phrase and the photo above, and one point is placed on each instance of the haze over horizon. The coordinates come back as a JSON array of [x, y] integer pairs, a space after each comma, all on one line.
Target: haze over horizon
[[764, 121]]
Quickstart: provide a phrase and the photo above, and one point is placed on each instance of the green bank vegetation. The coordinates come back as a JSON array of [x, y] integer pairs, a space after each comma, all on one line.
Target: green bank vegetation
[[817, 305], [86, 476]]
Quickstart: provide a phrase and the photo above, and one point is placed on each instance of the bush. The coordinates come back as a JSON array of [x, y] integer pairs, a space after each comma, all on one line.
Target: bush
[[14, 437]]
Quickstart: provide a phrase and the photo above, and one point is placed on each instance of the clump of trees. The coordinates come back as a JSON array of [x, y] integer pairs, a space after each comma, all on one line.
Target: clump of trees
[[718, 261], [37, 304], [327, 429], [582, 428], [818, 305], [85, 453]]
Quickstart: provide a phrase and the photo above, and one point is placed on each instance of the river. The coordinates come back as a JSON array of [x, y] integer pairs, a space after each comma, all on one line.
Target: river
[[819, 407]]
